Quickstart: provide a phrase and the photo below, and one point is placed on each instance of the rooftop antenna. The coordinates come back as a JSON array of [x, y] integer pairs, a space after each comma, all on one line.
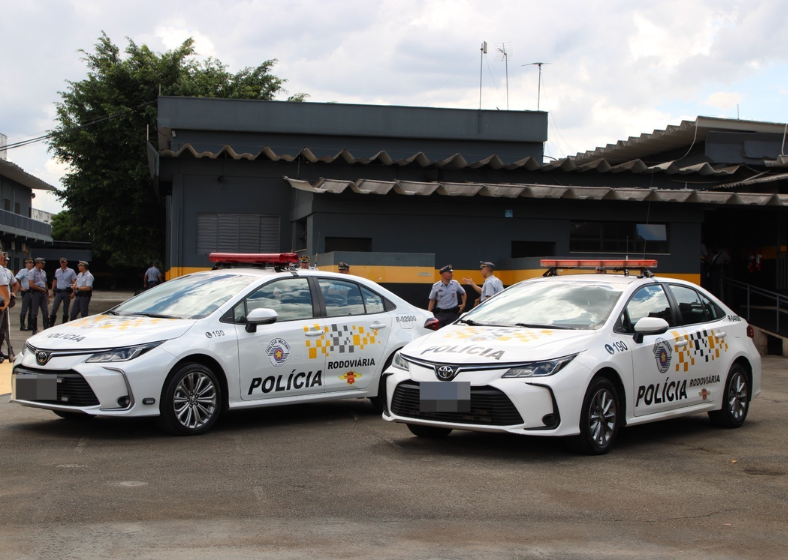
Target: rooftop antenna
[[482, 52], [539, 90], [505, 56]]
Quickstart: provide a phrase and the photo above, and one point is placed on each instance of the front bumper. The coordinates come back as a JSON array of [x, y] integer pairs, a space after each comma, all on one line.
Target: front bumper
[[546, 406], [68, 383]]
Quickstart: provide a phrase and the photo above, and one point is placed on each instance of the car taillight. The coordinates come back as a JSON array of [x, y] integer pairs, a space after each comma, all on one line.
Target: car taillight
[[432, 323], [750, 331]]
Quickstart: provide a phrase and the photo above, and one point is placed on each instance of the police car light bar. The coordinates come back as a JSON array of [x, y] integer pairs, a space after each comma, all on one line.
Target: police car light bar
[[254, 258], [598, 263]]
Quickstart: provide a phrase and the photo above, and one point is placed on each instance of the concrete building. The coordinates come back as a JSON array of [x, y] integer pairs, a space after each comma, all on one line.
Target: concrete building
[[400, 191]]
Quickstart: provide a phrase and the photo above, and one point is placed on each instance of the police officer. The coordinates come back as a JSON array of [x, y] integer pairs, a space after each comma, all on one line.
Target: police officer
[[83, 290], [61, 289], [491, 286], [40, 298], [5, 294], [344, 268], [153, 276], [304, 260], [447, 298], [24, 286]]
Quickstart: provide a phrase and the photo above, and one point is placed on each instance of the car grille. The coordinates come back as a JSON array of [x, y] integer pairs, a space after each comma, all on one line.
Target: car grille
[[72, 389], [489, 406]]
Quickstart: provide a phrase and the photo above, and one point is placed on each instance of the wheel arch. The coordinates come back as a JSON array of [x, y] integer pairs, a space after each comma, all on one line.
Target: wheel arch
[[613, 376], [210, 363], [744, 363]]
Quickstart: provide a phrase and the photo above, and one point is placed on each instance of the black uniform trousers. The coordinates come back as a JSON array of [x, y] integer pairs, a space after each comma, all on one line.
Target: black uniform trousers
[[39, 301], [27, 296], [64, 296], [80, 304], [446, 316]]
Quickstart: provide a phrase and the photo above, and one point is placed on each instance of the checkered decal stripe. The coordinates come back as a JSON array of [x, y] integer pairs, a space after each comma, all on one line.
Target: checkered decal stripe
[[702, 345], [344, 339]]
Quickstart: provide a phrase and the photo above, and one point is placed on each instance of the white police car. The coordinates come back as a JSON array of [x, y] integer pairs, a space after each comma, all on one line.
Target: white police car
[[222, 339], [579, 355]]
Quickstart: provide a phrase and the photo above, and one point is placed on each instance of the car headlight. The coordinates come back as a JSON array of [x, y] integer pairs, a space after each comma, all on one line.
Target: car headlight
[[399, 362], [123, 354], [540, 369]]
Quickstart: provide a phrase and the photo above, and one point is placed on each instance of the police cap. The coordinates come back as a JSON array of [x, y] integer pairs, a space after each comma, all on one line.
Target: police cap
[[446, 268], [304, 258], [40, 260], [344, 266], [84, 263], [488, 264], [28, 260]]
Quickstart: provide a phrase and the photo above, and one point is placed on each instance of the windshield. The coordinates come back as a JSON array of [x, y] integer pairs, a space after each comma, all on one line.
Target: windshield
[[560, 305], [189, 297]]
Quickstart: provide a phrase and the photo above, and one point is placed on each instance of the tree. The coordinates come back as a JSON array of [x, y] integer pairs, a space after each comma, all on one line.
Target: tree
[[101, 135]]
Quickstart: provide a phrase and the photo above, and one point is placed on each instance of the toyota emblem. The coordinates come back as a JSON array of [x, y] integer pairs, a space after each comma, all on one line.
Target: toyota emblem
[[42, 357], [445, 373]]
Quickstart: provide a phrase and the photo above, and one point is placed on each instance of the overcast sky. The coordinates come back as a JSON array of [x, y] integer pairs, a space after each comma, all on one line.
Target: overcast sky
[[617, 68]]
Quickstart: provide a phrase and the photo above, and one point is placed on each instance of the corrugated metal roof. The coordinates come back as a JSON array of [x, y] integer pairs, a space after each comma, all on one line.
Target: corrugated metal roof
[[507, 190], [672, 138], [16, 173], [457, 161]]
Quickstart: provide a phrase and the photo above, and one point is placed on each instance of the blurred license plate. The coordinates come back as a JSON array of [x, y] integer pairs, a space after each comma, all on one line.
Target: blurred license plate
[[440, 396], [33, 387]]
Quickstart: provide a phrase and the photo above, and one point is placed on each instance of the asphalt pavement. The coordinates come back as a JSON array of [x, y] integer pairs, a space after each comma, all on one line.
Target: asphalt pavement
[[334, 480]]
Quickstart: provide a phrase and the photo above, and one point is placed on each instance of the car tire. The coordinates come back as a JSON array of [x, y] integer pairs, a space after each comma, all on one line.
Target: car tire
[[378, 402], [735, 400], [599, 418], [429, 432], [75, 416], [190, 401]]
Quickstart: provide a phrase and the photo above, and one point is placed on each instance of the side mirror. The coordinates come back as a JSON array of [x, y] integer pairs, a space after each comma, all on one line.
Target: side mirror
[[261, 316], [650, 325]]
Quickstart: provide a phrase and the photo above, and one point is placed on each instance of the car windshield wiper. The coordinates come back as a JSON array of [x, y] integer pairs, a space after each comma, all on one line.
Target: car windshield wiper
[[110, 312], [533, 326], [469, 322], [153, 315]]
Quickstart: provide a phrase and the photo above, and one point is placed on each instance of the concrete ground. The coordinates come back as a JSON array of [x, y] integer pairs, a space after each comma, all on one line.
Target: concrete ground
[[335, 480]]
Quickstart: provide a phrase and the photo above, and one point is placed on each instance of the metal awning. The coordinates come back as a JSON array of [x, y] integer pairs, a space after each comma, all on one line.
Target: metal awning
[[508, 190], [16, 173]]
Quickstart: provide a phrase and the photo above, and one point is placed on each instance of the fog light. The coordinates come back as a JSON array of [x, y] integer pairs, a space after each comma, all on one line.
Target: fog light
[[149, 400], [123, 402], [548, 419]]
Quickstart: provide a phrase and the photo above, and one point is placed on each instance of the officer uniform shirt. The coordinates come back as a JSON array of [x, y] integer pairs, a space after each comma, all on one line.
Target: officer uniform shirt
[[84, 279], [4, 282], [65, 278], [10, 275], [447, 296], [22, 276], [492, 285], [152, 274], [39, 277]]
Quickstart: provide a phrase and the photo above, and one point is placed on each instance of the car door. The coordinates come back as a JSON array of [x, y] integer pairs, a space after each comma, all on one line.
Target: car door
[[357, 330], [281, 359], [656, 386], [701, 360]]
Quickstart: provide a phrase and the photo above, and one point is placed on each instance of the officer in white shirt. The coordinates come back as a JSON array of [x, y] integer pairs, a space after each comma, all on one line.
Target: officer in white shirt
[[24, 286], [492, 285], [5, 293], [40, 297], [61, 288], [83, 290], [447, 298]]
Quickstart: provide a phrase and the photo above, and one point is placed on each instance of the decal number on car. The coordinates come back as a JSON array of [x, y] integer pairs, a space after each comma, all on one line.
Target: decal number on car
[[211, 334]]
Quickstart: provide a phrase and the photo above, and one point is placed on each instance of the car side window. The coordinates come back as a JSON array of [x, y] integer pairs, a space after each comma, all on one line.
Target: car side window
[[691, 308], [713, 311], [372, 301], [342, 298], [290, 298], [648, 301]]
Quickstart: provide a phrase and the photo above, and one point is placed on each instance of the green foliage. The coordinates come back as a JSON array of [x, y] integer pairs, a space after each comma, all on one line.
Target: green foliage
[[101, 135]]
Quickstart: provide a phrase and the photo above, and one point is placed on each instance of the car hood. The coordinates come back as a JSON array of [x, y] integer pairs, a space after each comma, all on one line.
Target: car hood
[[460, 344], [108, 331]]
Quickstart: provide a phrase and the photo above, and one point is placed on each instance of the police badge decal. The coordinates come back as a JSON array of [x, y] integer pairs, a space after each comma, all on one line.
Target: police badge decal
[[662, 353], [278, 351]]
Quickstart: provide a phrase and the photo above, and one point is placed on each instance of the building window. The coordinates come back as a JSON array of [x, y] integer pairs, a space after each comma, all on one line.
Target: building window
[[17, 208], [522, 249], [7, 204], [618, 237], [237, 233], [362, 244]]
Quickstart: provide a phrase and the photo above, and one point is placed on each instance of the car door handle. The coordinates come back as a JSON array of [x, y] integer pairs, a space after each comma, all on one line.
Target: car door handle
[[378, 326], [314, 333], [720, 334], [682, 344]]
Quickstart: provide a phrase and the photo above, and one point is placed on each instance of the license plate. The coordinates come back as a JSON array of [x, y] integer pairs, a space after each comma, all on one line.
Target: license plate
[[440, 396], [33, 387]]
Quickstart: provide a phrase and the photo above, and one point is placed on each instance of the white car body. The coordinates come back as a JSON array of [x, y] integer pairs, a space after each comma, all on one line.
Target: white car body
[[315, 358], [678, 372]]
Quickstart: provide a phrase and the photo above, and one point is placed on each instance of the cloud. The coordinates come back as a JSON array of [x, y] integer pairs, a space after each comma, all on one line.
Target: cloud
[[724, 101]]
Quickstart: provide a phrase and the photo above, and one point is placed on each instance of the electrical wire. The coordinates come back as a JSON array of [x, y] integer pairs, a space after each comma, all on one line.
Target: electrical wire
[[23, 143], [695, 137]]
